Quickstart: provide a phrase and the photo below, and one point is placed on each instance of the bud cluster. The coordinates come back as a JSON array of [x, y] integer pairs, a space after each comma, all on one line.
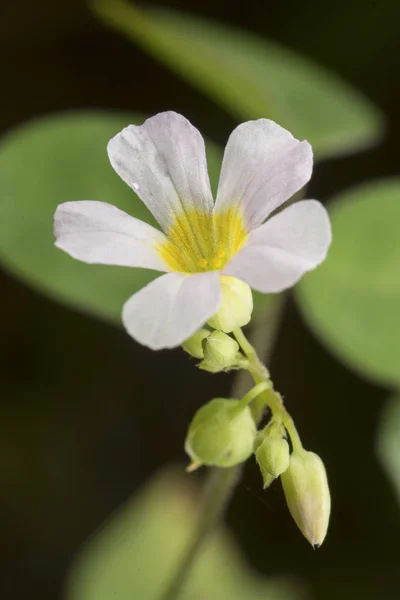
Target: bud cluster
[[219, 351], [303, 477], [223, 431]]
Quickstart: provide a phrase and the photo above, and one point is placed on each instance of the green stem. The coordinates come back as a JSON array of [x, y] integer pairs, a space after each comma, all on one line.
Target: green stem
[[252, 394], [269, 397], [263, 333], [279, 412]]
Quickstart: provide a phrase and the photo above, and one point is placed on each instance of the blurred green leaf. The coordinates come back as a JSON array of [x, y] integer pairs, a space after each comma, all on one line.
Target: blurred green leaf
[[388, 442], [139, 548], [251, 77], [54, 160], [353, 299]]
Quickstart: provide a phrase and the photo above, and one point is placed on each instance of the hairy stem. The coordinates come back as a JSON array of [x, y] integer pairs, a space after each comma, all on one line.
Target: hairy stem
[[269, 397]]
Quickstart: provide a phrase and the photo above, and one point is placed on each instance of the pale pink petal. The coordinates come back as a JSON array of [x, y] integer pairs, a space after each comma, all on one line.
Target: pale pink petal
[[164, 162], [97, 232], [279, 252], [170, 309], [263, 166]]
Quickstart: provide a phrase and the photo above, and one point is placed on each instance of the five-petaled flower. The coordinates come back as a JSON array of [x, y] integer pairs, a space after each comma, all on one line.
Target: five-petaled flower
[[164, 162]]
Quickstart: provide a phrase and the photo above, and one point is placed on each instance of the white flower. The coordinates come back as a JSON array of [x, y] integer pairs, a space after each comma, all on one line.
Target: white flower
[[164, 162]]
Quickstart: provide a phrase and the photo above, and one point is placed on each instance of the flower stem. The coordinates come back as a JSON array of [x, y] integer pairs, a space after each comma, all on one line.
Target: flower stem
[[252, 394], [269, 397], [222, 482]]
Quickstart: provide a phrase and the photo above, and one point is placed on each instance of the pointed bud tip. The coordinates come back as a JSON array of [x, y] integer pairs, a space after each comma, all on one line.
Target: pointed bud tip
[[306, 489], [193, 466]]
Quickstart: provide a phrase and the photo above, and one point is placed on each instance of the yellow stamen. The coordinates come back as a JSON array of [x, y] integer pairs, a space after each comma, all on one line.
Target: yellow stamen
[[216, 263], [202, 241], [202, 263]]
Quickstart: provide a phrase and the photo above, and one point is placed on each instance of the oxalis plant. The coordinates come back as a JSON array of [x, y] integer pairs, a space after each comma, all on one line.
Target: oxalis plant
[[212, 254]]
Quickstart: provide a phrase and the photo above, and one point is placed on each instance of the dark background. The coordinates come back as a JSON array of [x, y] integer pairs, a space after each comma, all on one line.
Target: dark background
[[77, 432]]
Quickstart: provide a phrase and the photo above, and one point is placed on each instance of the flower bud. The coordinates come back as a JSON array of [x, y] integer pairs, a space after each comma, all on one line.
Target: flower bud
[[220, 435], [236, 305], [273, 456], [307, 494], [194, 344], [220, 352]]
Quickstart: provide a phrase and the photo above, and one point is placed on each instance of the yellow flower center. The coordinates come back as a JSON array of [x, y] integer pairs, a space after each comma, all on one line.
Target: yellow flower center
[[200, 242]]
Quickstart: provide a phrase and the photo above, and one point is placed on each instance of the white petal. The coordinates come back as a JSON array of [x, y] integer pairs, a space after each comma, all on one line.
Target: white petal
[[97, 232], [263, 166], [170, 309], [164, 162], [279, 252]]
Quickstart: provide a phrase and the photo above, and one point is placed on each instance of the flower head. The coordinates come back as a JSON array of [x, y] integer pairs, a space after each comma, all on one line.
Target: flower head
[[164, 162]]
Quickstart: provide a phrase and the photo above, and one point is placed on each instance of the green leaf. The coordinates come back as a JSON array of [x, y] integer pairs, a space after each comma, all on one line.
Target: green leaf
[[54, 160], [138, 550], [353, 299], [252, 77], [388, 442]]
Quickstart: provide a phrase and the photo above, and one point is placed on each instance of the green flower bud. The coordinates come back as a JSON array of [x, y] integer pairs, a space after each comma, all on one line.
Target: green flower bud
[[273, 458], [220, 435], [194, 344], [307, 494], [236, 305], [220, 352]]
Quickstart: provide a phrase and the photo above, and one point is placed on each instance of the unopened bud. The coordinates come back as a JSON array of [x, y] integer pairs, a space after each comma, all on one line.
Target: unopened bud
[[220, 352], [194, 344], [236, 305], [220, 435], [272, 455], [307, 494]]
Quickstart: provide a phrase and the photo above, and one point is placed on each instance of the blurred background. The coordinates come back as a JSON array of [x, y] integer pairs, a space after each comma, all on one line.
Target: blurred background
[[88, 416]]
